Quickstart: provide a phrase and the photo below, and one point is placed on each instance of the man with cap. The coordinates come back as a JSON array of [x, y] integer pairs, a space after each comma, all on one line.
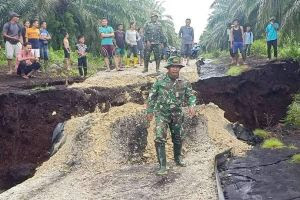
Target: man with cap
[[12, 34], [154, 39], [165, 101], [272, 36]]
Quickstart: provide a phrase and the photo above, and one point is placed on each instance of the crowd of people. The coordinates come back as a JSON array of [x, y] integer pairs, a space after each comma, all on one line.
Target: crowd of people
[[28, 43], [240, 40]]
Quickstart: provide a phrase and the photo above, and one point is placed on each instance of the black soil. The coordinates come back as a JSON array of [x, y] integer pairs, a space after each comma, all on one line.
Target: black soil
[[28, 118], [262, 174], [257, 98]]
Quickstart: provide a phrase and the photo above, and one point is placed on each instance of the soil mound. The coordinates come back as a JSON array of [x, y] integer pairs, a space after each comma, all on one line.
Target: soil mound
[[257, 98], [96, 161]]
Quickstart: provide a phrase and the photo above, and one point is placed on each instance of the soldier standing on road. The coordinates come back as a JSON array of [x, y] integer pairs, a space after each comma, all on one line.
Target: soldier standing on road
[[154, 39], [165, 100]]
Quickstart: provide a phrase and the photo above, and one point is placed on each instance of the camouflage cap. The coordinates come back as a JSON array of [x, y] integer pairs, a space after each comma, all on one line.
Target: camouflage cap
[[272, 18], [174, 61]]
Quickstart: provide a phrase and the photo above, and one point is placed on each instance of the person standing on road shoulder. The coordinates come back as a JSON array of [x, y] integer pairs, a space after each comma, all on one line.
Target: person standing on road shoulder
[[131, 38], [44, 41], [12, 34], [237, 41], [154, 40], [272, 37], [33, 36], [165, 101], [186, 33], [248, 35], [120, 44], [106, 34]]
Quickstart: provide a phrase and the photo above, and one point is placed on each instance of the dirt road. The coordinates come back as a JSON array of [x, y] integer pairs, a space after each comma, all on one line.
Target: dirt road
[[111, 155]]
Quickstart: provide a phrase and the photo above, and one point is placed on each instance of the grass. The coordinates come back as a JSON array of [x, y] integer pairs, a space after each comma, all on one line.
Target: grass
[[236, 70], [292, 147], [293, 113], [296, 158], [95, 63], [261, 133], [273, 143]]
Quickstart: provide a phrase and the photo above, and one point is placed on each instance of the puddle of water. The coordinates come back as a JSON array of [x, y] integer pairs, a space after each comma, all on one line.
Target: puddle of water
[[211, 69]]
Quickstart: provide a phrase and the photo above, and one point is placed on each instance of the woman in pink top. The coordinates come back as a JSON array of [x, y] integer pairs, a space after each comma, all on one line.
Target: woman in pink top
[[26, 63]]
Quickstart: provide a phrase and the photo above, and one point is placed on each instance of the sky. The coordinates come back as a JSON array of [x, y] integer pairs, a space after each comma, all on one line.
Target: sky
[[197, 10]]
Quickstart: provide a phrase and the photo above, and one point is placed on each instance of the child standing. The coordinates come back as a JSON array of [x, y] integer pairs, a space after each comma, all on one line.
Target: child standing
[[82, 59], [67, 51], [248, 35]]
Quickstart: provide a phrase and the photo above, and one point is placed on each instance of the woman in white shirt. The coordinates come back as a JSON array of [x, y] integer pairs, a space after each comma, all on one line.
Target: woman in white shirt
[[131, 38]]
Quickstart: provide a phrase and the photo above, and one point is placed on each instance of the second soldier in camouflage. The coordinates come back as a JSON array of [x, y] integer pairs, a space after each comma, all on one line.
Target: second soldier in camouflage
[[165, 100], [154, 39]]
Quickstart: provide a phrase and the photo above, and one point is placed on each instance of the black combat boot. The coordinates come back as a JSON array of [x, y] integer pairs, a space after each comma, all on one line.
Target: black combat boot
[[177, 155], [161, 157], [157, 66], [145, 67]]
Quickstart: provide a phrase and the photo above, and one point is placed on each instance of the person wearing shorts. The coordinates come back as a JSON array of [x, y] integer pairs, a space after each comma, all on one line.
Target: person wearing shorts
[[186, 33], [33, 36], [67, 52], [120, 45], [12, 34], [106, 34], [237, 41], [141, 46]]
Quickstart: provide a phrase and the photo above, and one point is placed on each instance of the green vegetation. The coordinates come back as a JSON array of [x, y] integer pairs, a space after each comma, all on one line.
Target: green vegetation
[[236, 70], [95, 63], [259, 48], [82, 17], [273, 143], [255, 13], [261, 133], [293, 113], [296, 158], [292, 146]]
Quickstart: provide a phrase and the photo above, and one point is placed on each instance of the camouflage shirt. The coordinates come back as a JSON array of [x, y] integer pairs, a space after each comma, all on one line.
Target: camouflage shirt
[[153, 33], [168, 95]]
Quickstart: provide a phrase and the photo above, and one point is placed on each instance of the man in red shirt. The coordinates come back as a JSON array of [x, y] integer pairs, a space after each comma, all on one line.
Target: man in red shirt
[[26, 63]]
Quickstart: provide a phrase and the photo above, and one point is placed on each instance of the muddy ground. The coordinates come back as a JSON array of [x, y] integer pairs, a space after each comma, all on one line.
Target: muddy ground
[[30, 116]]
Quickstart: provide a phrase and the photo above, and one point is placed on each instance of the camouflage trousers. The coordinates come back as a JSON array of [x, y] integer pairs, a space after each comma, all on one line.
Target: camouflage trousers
[[155, 48], [174, 122]]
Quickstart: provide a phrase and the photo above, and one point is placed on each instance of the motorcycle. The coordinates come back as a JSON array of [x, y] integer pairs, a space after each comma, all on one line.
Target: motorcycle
[[195, 51]]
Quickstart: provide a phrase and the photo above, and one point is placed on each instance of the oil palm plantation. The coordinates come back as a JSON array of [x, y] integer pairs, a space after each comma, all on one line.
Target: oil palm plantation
[[82, 16], [256, 13]]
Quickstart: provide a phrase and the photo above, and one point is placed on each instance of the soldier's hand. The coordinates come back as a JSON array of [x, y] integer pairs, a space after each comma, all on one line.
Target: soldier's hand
[[192, 112], [149, 117]]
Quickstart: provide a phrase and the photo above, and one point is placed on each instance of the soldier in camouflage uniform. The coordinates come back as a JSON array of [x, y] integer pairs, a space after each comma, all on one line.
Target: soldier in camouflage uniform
[[154, 39], [166, 98]]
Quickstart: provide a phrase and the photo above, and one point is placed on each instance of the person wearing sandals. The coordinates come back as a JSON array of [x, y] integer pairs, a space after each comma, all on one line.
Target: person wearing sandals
[[27, 64], [12, 34]]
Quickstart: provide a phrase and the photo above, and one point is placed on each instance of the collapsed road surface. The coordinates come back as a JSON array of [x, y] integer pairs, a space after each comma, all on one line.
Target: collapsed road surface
[[106, 149]]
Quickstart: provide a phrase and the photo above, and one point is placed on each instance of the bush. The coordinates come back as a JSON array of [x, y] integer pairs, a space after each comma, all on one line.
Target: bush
[[293, 113], [259, 48], [236, 70], [296, 158], [290, 48], [261, 133], [272, 143]]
